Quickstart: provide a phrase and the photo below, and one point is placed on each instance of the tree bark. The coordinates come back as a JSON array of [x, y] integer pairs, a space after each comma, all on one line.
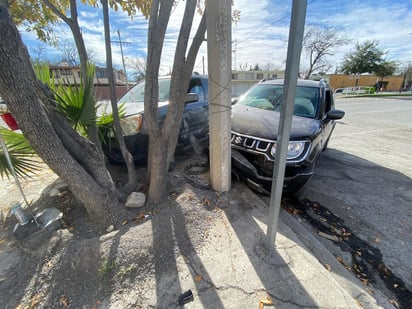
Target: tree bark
[[131, 184], [25, 99], [162, 143]]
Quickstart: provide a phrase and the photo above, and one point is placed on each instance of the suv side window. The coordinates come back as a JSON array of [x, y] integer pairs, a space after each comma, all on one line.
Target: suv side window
[[196, 87]]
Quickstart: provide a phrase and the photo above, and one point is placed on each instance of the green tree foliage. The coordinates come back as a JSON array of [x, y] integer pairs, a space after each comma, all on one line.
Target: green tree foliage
[[386, 68], [26, 13], [367, 58]]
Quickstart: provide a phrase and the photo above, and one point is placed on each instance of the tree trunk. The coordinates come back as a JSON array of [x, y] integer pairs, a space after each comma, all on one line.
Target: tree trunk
[[20, 89], [158, 168], [162, 142], [130, 186]]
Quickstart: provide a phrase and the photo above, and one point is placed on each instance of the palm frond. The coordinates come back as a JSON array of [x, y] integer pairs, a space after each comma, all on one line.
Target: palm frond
[[76, 101], [105, 126], [22, 156]]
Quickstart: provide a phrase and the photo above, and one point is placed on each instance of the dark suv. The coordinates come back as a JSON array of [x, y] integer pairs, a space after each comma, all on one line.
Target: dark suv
[[195, 118], [255, 122]]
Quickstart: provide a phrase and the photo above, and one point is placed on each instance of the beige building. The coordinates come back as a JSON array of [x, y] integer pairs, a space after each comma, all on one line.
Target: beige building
[[390, 83], [70, 75], [243, 80]]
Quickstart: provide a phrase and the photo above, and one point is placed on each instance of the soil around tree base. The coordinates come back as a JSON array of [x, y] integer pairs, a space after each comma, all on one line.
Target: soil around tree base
[[76, 268]]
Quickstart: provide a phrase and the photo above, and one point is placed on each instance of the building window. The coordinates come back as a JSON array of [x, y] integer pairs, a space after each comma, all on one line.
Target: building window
[[234, 76], [66, 72], [55, 74], [101, 74], [259, 76]]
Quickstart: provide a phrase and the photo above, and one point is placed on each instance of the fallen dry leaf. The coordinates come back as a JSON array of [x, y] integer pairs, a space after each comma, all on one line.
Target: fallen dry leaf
[[377, 240], [327, 266], [265, 302], [394, 302], [198, 278], [140, 217], [64, 300], [359, 303], [292, 211], [2, 241], [124, 222], [207, 202], [35, 301], [364, 281], [71, 229]]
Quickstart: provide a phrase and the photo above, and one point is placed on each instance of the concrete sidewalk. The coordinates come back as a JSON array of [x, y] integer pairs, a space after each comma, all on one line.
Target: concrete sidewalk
[[235, 270], [218, 253]]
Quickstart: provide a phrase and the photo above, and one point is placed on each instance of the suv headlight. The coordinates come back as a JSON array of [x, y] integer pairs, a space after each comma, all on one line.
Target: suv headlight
[[131, 125], [295, 149]]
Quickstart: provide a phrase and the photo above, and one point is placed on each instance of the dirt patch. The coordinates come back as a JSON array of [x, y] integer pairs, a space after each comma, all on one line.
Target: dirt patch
[[76, 268]]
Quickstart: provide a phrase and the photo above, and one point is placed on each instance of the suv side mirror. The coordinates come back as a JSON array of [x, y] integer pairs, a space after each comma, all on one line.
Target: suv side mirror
[[191, 97], [335, 114]]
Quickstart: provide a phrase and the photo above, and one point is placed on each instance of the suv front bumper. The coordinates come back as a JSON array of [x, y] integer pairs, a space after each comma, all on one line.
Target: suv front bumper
[[246, 171]]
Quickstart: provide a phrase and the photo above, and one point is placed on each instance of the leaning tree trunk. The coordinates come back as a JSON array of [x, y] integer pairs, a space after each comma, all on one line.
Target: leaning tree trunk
[[87, 179], [162, 143]]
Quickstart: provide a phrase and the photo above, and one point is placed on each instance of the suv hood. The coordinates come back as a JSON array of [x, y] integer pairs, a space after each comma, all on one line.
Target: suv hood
[[261, 123], [132, 108]]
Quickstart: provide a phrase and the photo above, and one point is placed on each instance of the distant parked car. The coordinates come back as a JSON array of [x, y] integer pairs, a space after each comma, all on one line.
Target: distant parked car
[[195, 118], [255, 121], [7, 117]]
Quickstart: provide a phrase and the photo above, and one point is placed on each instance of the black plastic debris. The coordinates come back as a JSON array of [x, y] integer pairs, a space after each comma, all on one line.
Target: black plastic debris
[[185, 298]]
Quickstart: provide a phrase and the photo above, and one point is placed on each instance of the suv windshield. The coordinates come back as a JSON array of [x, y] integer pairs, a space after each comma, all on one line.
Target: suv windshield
[[269, 97], [136, 94]]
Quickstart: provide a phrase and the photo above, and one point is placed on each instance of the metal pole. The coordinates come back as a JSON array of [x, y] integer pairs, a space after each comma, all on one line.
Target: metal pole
[[13, 172], [297, 25]]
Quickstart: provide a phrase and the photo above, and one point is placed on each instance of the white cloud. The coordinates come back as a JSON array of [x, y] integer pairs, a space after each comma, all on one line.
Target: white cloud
[[262, 32]]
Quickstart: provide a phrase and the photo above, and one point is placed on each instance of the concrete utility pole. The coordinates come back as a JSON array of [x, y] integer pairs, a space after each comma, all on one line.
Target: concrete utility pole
[[297, 26], [219, 51], [121, 52]]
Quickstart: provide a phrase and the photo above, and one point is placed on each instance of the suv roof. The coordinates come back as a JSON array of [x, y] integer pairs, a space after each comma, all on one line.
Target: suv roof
[[301, 82]]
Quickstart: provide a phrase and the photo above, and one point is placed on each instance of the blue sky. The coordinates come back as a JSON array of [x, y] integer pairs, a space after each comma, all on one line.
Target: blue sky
[[261, 34]]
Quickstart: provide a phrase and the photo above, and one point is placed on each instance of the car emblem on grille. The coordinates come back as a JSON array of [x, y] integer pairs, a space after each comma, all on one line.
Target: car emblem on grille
[[238, 140]]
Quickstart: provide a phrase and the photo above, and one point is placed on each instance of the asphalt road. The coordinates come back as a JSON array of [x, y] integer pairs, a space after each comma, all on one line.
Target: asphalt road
[[365, 179]]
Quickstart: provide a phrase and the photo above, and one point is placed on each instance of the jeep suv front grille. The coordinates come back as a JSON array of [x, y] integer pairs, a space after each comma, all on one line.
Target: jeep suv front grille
[[252, 144]]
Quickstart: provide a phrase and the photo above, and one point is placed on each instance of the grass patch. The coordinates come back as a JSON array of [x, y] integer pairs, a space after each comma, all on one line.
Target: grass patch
[[107, 267]]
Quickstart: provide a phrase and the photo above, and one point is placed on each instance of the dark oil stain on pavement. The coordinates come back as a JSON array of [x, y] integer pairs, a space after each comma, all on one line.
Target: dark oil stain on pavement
[[367, 261]]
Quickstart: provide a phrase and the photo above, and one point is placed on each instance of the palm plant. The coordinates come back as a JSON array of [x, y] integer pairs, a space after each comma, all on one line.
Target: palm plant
[[22, 157], [76, 102]]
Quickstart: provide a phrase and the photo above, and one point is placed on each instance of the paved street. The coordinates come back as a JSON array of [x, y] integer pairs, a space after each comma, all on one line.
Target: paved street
[[365, 179]]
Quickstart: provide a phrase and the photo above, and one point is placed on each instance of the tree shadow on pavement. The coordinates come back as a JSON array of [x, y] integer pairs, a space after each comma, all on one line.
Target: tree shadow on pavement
[[171, 244], [277, 269]]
